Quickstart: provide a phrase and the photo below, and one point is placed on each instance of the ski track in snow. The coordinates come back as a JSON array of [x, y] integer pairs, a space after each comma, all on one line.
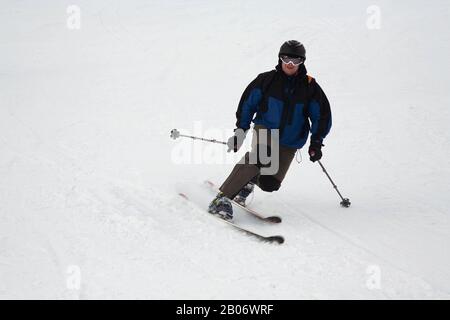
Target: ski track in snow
[[88, 179]]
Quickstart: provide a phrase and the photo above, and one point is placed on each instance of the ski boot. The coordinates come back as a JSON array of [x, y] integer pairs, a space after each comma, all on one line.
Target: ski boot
[[244, 193], [221, 206]]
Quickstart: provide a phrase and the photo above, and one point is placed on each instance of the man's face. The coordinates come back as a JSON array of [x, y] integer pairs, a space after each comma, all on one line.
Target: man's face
[[290, 64], [289, 69]]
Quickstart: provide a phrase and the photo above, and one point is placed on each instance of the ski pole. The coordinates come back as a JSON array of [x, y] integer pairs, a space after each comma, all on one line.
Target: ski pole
[[174, 134], [345, 201]]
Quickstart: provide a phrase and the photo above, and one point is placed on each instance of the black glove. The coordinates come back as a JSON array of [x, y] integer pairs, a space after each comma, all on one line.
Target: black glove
[[235, 142], [315, 151]]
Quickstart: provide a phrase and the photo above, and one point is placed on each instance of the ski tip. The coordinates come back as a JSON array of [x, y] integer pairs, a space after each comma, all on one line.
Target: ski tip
[[209, 183], [183, 195], [277, 239], [273, 219]]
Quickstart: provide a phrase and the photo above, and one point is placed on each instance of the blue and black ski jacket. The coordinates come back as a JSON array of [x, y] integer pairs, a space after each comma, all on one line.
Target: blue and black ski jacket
[[295, 105]]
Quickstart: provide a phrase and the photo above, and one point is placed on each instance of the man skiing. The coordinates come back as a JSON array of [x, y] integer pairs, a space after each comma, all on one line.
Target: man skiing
[[285, 99]]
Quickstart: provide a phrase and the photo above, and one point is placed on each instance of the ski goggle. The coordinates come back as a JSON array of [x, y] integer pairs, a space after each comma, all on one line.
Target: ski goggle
[[293, 60]]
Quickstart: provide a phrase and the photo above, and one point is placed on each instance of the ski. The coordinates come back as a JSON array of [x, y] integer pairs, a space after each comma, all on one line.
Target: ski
[[272, 219], [271, 239]]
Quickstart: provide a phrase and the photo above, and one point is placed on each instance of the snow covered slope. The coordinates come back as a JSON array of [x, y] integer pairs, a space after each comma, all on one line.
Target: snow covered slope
[[89, 176]]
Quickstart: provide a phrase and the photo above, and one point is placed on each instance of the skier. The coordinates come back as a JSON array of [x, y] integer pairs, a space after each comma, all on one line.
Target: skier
[[286, 99]]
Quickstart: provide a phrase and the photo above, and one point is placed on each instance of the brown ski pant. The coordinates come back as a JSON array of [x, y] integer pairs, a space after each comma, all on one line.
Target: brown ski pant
[[247, 170]]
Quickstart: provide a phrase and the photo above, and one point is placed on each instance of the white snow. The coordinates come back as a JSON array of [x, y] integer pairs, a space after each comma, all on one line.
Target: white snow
[[89, 179]]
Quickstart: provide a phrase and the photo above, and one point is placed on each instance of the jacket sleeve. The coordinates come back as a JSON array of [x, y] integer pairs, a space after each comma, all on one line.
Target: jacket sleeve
[[248, 104], [320, 114]]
